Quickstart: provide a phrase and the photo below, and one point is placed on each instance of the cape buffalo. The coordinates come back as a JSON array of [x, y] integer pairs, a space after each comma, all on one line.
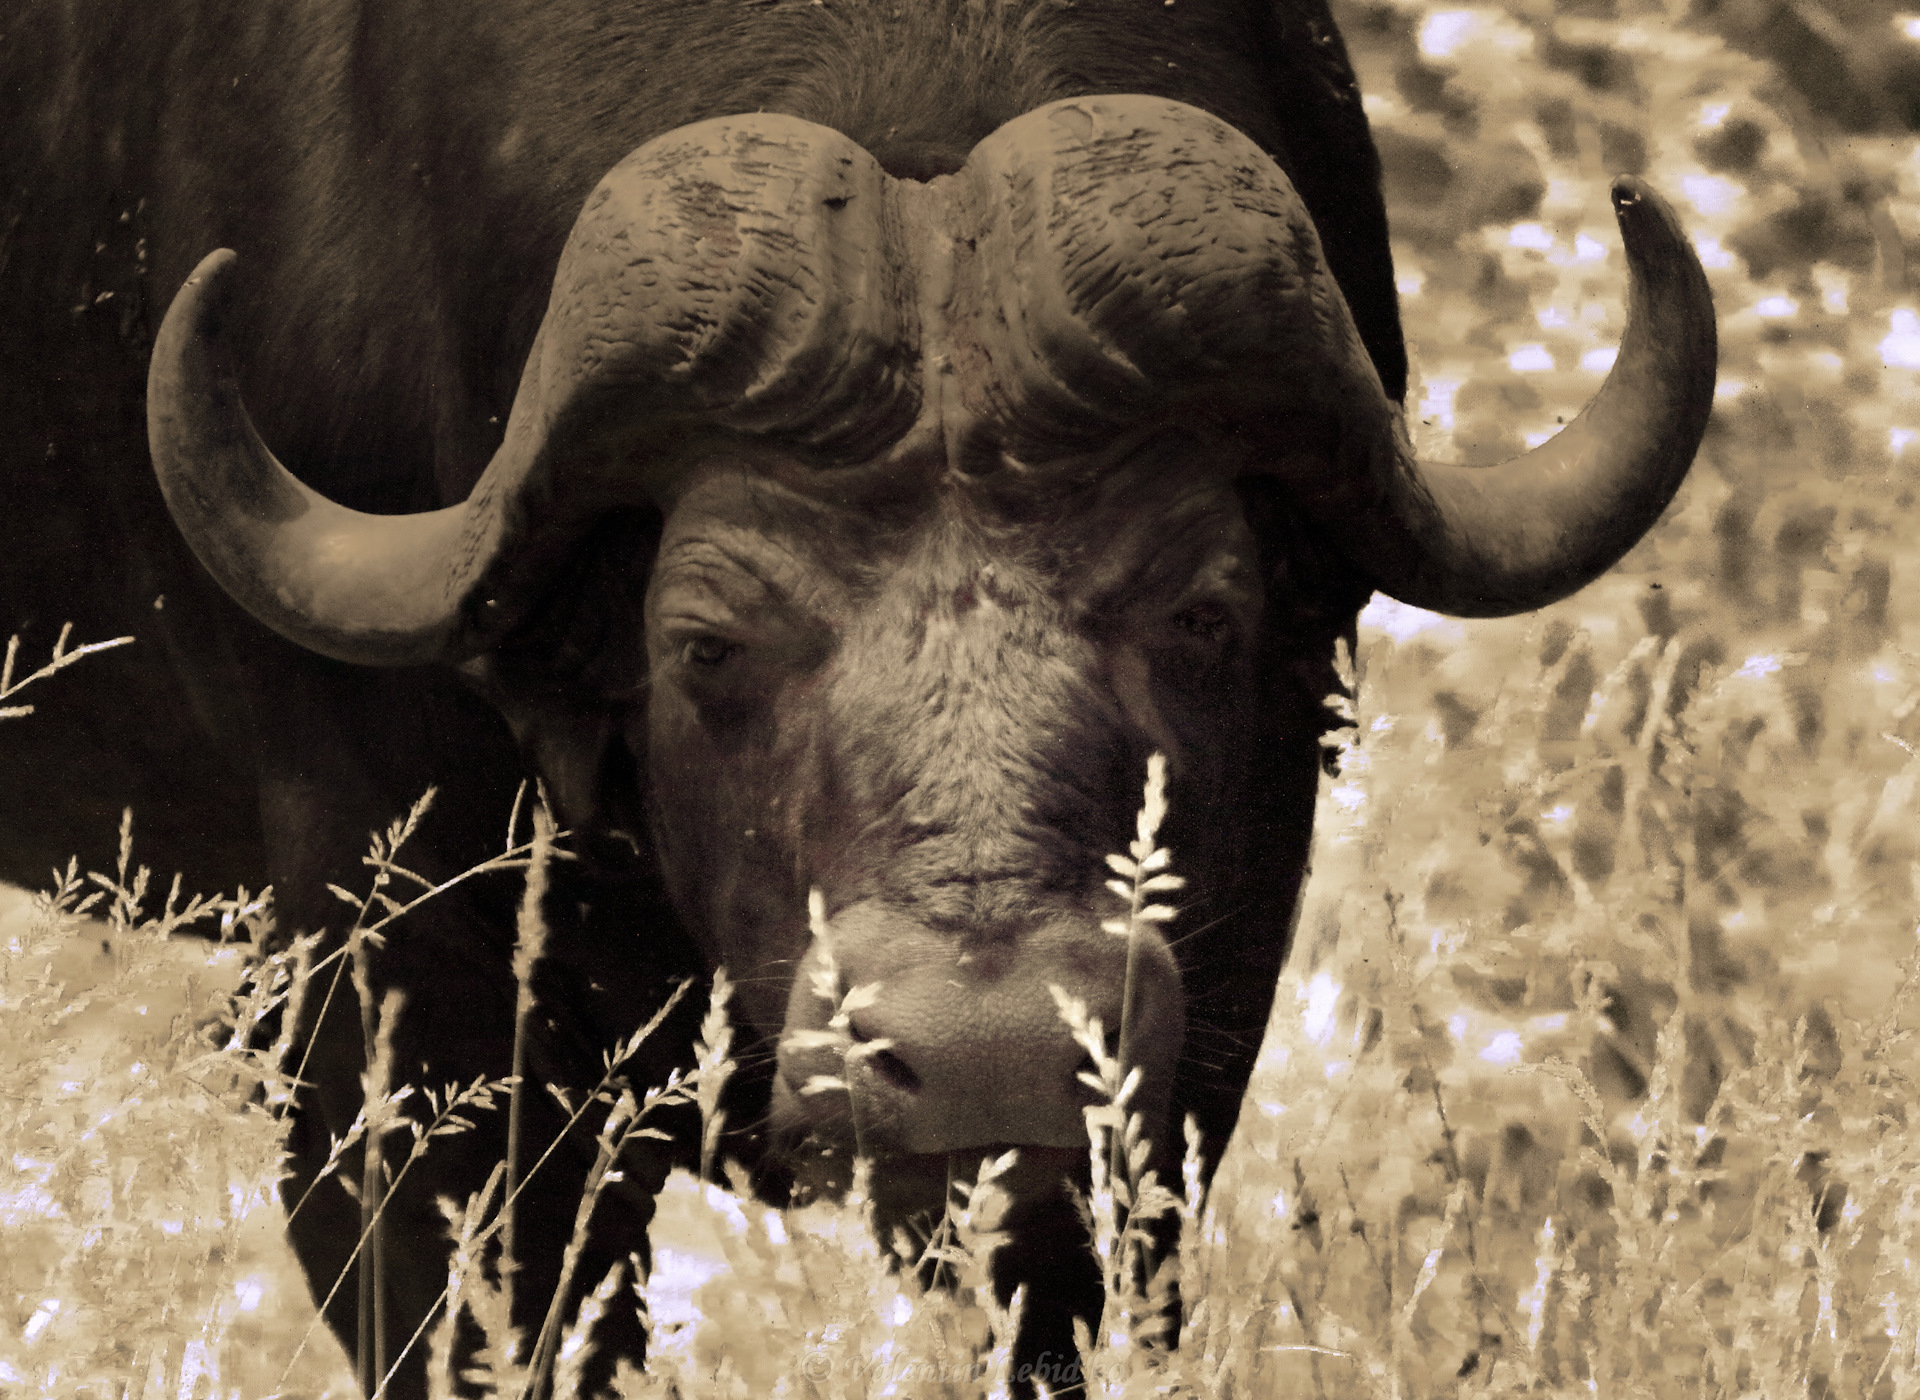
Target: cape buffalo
[[832, 444]]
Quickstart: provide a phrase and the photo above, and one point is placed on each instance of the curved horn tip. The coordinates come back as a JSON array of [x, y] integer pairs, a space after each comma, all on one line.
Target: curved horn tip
[[1531, 531], [1643, 212], [213, 266], [211, 286], [197, 317], [1628, 190], [359, 588]]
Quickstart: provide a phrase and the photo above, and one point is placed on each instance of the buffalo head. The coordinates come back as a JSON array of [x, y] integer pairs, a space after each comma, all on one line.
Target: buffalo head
[[866, 536]]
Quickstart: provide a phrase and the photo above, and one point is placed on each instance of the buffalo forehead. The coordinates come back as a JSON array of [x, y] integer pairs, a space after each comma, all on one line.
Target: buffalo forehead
[[749, 537]]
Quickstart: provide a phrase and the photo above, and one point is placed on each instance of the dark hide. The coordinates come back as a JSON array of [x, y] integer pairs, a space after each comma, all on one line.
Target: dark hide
[[398, 180]]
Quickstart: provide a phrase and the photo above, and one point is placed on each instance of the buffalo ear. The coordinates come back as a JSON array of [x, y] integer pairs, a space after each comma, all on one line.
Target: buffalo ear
[[1313, 600], [571, 679], [573, 750]]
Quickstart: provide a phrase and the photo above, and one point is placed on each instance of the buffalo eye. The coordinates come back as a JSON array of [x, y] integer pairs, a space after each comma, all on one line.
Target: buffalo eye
[[1206, 622], [707, 650]]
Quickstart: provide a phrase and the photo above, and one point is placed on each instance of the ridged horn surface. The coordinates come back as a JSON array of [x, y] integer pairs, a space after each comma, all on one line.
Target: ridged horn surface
[[727, 277], [1140, 260]]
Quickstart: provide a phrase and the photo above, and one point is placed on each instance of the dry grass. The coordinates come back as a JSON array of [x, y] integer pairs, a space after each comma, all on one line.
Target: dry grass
[[1589, 1074]]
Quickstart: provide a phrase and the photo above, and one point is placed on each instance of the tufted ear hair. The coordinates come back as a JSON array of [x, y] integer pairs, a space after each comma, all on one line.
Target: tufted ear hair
[[1331, 159], [571, 679], [1313, 596]]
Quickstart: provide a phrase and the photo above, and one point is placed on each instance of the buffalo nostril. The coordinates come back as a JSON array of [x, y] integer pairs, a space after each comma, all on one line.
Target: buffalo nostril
[[882, 1061], [894, 1070]]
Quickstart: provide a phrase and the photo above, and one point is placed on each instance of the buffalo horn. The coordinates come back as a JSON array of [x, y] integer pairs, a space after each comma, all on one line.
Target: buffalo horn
[[369, 588], [720, 280], [1490, 541], [1143, 260]]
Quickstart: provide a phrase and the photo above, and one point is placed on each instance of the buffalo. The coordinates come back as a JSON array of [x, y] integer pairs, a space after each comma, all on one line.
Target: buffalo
[[831, 446]]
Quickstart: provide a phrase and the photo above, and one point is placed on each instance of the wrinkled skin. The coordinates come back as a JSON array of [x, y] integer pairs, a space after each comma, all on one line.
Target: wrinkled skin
[[398, 188]]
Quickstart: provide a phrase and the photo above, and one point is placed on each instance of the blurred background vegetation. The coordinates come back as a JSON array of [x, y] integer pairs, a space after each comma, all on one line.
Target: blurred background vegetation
[[1611, 904]]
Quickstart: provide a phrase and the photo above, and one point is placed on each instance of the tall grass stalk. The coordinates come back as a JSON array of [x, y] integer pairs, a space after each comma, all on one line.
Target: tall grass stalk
[[1142, 873], [61, 659], [1599, 1284], [378, 1017], [528, 948], [713, 1067]]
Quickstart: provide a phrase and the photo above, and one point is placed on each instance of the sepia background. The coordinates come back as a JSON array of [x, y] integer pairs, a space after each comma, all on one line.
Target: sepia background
[[1612, 904], [1588, 1074]]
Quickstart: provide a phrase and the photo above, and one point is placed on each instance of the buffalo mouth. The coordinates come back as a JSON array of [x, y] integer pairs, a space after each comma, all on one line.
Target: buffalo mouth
[[1031, 1218], [1031, 1212], [911, 1191]]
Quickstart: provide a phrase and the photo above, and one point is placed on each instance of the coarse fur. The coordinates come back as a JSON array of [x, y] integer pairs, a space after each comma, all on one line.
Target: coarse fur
[[398, 180]]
